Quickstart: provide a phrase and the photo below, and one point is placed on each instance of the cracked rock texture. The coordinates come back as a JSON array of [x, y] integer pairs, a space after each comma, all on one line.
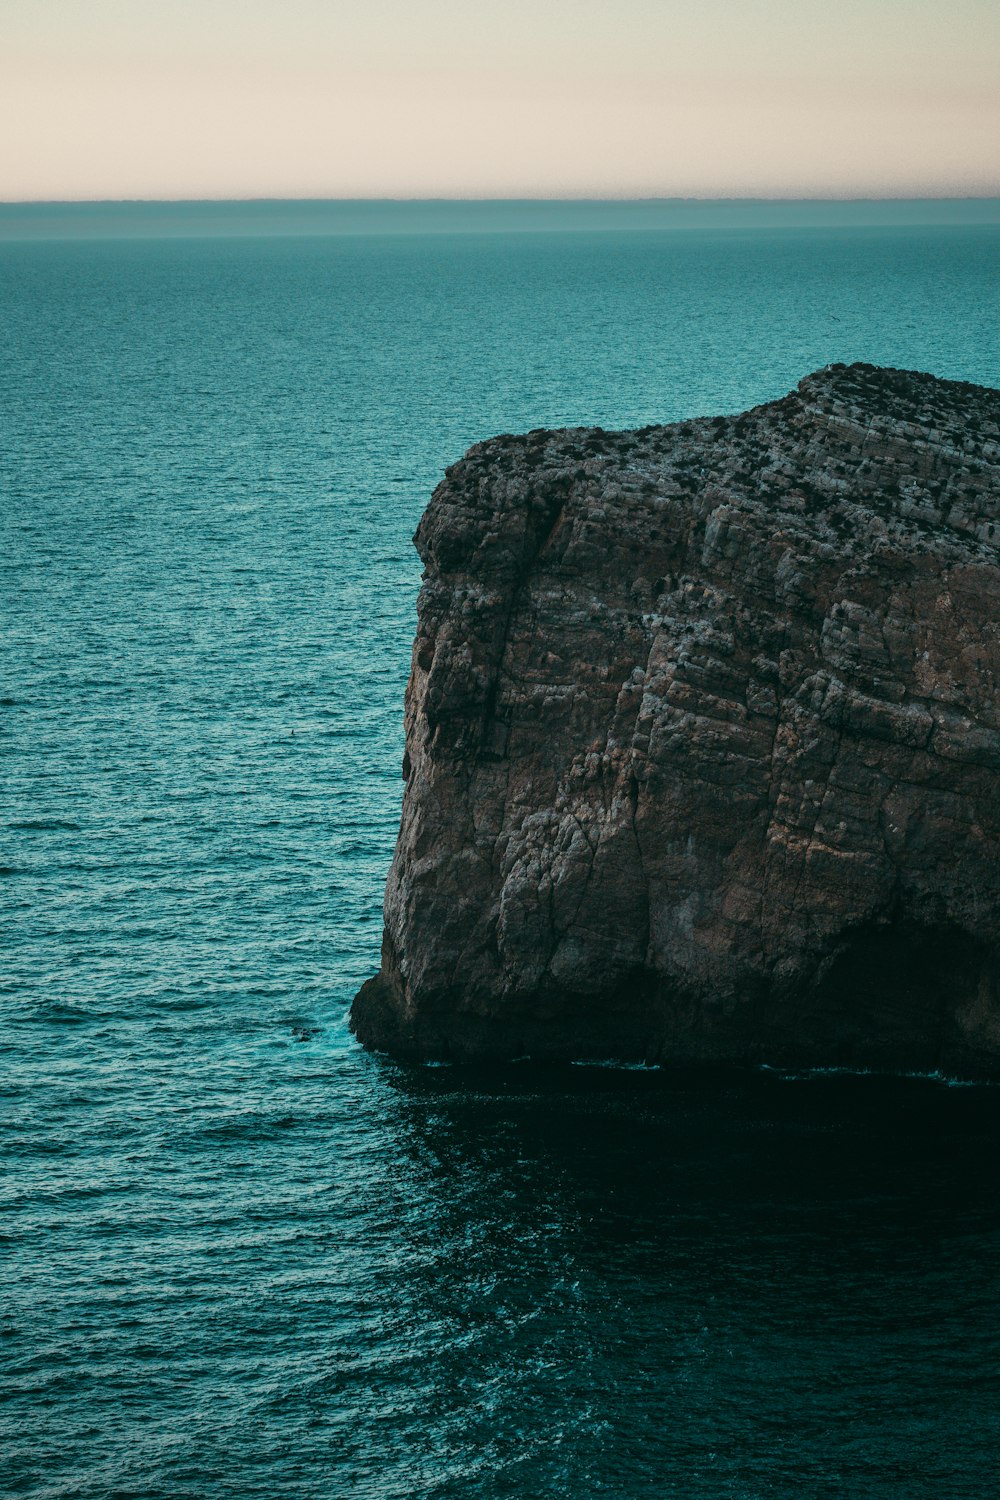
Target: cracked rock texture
[[703, 742]]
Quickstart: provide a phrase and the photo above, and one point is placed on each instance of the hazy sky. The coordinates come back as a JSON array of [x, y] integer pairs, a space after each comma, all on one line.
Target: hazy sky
[[412, 98]]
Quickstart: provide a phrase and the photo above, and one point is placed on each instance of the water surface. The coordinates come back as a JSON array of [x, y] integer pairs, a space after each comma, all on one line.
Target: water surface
[[241, 1257]]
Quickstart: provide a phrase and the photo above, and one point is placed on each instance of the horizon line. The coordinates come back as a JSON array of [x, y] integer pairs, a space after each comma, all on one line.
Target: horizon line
[[989, 197]]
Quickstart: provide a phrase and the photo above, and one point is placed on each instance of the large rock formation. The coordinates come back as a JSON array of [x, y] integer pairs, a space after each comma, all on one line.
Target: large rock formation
[[703, 742]]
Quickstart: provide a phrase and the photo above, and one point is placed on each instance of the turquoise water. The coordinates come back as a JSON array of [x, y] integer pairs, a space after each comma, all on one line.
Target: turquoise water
[[241, 1257]]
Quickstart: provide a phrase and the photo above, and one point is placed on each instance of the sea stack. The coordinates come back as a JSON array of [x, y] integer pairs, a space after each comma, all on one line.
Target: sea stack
[[703, 742]]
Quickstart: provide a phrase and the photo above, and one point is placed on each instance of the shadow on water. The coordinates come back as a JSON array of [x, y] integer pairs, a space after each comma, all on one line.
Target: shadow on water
[[647, 1283]]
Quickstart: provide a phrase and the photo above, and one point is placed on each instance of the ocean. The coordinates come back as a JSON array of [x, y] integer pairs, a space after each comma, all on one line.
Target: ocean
[[240, 1256]]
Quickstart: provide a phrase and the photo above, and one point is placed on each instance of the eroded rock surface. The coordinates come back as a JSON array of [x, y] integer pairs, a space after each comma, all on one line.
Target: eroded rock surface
[[703, 742]]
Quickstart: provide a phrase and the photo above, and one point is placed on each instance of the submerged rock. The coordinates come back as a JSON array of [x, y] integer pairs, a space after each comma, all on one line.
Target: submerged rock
[[703, 742]]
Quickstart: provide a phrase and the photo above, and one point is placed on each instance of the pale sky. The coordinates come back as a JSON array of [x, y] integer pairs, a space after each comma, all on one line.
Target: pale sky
[[501, 98]]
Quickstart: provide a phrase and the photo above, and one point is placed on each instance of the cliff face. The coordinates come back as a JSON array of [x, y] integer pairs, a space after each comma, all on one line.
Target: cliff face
[[703, 742]]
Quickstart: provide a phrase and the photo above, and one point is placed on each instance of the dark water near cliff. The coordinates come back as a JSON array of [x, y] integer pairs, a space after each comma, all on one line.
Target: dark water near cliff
[[240, 1257]]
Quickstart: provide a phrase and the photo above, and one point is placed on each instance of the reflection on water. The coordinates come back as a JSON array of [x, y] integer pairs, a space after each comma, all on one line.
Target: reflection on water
[[711, 1285]]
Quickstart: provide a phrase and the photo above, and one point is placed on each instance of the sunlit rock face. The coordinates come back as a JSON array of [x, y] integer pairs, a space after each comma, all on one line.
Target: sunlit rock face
[[703, 742]]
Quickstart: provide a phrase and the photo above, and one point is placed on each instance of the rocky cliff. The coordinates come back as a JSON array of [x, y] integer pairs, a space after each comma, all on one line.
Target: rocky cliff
[[703, 742]]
